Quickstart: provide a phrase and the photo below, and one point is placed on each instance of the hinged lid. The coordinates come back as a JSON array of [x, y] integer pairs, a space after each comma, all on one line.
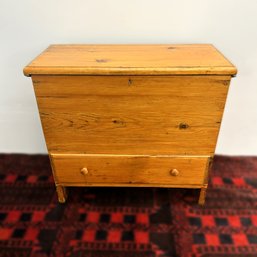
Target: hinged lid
[[130, 60]]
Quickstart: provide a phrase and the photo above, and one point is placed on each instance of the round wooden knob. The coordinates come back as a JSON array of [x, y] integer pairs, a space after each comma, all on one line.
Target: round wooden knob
[[84, 171], [174, 172]]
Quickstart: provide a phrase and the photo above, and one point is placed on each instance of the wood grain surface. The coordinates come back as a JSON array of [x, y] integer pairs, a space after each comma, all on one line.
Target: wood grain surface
[[131, 114], [130, 60], [131, 170]]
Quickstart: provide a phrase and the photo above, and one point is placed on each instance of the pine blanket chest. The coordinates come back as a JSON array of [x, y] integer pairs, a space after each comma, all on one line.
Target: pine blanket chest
[[131, 115]]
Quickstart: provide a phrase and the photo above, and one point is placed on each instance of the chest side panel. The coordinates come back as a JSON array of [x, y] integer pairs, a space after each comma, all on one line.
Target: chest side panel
[[150, 115]]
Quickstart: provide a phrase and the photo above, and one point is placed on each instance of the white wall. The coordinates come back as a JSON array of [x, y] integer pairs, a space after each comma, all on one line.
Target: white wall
[[27, 27]]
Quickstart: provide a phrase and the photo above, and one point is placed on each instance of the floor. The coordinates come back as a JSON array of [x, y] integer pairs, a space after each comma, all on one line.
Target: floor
[[131, 222]]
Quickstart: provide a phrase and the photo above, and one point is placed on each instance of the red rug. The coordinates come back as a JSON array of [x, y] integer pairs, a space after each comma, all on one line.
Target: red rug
[[131, 222]]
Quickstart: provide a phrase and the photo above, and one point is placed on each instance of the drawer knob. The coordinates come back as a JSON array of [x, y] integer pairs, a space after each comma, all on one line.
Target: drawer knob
[[84, 171], [174, 172]]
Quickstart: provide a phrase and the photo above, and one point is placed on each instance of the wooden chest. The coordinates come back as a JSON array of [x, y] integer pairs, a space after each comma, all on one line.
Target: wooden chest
[[131, 115]]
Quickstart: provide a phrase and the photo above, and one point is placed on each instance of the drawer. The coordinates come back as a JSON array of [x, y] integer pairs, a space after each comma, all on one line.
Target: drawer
[[122, 170], [131, 115]]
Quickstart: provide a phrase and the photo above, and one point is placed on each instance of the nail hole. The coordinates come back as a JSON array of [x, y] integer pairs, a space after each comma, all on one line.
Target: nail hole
[[118, 122], [130, 82]]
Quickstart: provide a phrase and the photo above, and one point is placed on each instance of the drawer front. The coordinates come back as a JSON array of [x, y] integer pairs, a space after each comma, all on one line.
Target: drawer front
[[148, 115], [129, 170]]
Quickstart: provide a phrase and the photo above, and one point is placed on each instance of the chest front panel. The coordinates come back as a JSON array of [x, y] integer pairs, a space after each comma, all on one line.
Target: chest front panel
[[149, 115]]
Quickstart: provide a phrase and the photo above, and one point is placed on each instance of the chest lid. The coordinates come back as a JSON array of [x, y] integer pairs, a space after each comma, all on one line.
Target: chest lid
[[130, 60]]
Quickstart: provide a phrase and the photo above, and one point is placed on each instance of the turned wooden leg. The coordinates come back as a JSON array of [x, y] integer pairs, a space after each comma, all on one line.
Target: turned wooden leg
[[62, 193], [202, 196]]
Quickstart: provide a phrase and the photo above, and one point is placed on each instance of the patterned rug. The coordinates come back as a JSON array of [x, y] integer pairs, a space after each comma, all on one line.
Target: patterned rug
[[131, 222]]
